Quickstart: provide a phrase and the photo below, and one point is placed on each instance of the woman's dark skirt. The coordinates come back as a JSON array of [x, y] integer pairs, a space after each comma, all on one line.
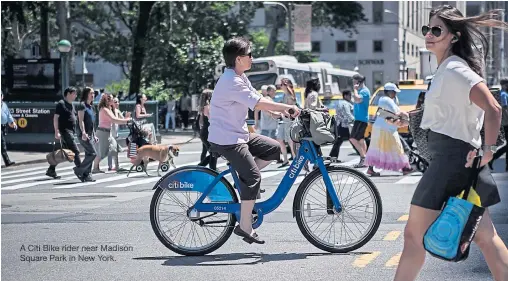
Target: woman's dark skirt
[[447, 175]]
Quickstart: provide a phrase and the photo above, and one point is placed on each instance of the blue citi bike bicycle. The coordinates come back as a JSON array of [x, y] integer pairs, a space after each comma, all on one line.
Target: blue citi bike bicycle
[[202, 201]]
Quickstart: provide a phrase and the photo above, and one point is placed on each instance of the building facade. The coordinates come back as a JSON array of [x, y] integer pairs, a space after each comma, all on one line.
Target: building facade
[[497, 61], [385, 47]]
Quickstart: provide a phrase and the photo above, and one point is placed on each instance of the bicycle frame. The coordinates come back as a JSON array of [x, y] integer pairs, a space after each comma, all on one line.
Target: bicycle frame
[[306, 152]]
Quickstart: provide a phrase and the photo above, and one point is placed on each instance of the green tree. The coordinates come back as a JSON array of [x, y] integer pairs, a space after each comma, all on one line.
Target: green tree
[[170, 28]]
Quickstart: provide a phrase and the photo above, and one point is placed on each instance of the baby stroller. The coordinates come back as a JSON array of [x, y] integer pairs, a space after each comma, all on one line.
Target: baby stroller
[[136, 139], [420, 155]]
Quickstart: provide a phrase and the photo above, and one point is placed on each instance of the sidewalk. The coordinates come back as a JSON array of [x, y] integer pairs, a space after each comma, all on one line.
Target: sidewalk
[[177, 138]]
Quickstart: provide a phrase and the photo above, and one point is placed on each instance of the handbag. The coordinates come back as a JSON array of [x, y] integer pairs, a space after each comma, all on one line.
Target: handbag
[[419, 135], [450, 235], [59, 156]]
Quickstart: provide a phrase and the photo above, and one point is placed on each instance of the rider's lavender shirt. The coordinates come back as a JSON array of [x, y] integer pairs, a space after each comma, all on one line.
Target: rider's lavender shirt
[[231, 99]]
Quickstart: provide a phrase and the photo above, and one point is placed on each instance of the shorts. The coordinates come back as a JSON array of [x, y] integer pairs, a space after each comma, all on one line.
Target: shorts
[[283, 131], [358, 132], [447, 176], [269, 133], [241, 157]]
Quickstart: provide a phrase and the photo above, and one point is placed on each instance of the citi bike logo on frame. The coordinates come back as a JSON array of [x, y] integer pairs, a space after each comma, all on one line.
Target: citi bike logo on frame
[[295, 167], [178, 184]]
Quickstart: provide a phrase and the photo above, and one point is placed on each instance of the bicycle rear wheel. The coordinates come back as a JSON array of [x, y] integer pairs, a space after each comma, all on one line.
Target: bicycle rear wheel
[[202, 233], [356, 192]]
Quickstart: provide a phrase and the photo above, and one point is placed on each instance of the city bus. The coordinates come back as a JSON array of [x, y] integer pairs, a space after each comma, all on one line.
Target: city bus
[[270, 70]]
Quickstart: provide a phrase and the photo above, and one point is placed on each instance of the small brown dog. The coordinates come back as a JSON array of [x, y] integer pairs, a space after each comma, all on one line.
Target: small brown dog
[[162, 153]]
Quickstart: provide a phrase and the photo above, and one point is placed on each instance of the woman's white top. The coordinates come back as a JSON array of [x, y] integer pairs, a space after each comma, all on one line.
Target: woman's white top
[[448, 109]]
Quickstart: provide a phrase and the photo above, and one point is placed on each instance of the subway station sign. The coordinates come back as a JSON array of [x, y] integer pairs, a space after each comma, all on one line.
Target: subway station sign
[[33, 120]]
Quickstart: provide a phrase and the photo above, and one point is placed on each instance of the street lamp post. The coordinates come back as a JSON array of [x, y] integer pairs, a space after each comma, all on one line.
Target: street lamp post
[[288, 10], [403, 43], [64, 46]]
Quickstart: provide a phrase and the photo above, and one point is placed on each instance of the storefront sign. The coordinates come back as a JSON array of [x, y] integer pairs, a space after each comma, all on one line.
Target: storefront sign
[[365, 62]]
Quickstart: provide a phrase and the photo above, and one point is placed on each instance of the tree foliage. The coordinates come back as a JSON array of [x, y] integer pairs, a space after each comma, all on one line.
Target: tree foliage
[[162, 46]]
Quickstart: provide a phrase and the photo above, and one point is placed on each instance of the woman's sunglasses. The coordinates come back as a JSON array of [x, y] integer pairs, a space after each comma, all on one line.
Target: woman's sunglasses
[[435, 30]]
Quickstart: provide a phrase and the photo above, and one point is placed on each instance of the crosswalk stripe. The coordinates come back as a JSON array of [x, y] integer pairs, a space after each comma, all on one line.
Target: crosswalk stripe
[[80, 184], [30, 184], [23, 179], [38, 169], [411, 179], [151, 179], [19, 172]]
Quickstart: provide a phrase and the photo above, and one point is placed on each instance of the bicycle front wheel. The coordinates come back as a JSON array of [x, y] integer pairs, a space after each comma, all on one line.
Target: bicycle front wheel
[[338, 232]]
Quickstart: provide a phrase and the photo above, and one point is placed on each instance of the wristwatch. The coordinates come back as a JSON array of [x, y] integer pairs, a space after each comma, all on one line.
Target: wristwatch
[[492, 148]]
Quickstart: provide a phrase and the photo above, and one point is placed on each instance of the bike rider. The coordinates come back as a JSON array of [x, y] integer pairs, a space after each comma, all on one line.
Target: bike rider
[[228, 134]]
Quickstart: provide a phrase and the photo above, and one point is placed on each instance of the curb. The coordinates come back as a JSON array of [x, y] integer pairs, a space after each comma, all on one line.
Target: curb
[[38, 161]]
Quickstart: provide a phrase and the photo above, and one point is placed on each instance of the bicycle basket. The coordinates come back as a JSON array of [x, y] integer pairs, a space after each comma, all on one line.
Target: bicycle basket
[[419, 134]]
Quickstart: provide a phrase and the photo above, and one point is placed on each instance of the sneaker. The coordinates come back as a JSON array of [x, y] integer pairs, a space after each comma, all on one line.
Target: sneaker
[[88, 179], [361, 164], [373, 173]]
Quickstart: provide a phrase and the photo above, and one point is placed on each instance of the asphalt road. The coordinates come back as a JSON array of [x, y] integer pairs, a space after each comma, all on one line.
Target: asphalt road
[[40, 214]]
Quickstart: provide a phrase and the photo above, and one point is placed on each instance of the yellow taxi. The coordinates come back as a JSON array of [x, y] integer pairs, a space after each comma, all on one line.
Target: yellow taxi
[[330, 102], [407, 99]]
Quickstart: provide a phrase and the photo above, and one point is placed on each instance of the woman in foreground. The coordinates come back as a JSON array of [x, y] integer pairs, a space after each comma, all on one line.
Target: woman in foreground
[[457, 105]]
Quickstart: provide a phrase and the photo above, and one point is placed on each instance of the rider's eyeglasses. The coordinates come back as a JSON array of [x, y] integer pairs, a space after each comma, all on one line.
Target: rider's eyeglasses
[[435, 30], [247, 55]]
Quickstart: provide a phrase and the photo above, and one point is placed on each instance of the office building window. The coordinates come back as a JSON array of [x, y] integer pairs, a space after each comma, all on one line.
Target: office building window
[[413, 15], [316, 46], [346, 47], [378, 46], [408, 50], [408, 15], [377, 11], [412, 50], [341, 46]]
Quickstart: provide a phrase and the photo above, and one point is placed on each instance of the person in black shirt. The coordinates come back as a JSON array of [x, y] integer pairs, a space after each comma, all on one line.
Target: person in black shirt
[[86, 134], [64, 122]]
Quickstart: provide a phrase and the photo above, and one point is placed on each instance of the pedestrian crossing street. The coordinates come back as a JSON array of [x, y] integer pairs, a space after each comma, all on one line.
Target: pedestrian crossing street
[[34, 177]]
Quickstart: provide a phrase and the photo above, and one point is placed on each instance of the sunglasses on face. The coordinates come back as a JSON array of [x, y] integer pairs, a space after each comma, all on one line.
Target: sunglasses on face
[[247, 55], [435, 30]]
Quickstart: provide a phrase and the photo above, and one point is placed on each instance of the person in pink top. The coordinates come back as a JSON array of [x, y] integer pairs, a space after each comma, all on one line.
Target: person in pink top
[[107, 143]]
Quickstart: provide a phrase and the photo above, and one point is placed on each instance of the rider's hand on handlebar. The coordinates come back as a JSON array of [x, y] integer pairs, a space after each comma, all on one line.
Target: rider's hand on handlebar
[[294, 111]]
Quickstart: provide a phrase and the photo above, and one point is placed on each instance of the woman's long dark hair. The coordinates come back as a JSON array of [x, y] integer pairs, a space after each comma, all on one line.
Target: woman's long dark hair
[[84, 94], [206, 97], [471, 43], [312, 85]]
